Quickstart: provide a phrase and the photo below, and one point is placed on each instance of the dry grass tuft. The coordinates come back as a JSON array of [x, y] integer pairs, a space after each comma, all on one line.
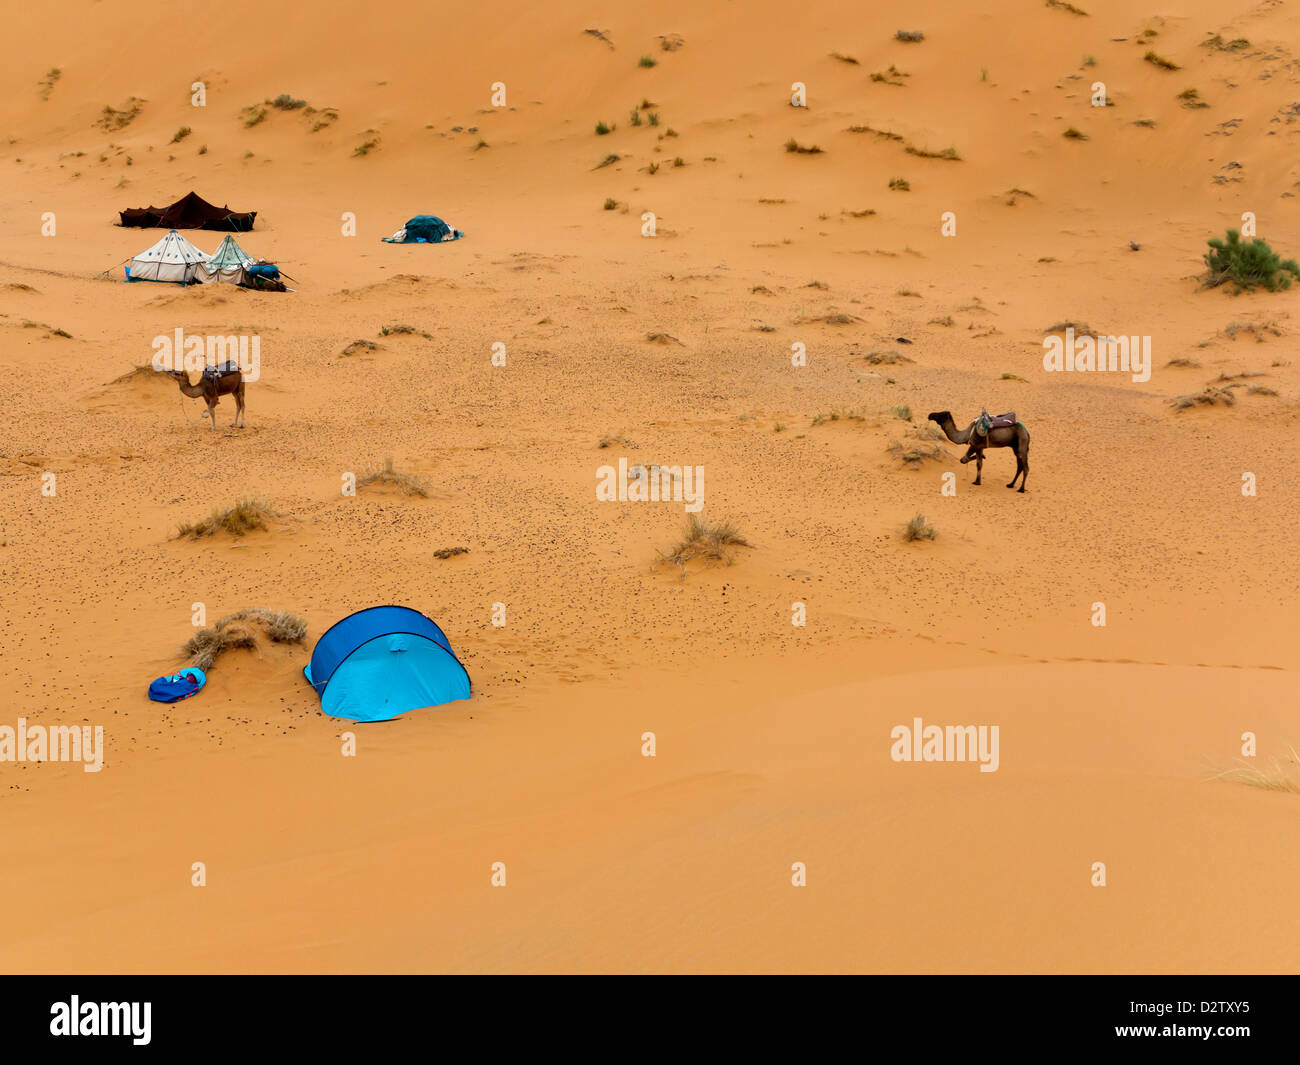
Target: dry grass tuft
[[111, 119], [702, 540], [1218, 44], [1259, 330], [852, 414], [1275, 777], [924, 153], [1209, 398], [891, 76], [388, 475], [794, 146], [358, 346], [46, 85], [1080, 328], [245, 516], [919, 529], [241, 630], [912, 455]]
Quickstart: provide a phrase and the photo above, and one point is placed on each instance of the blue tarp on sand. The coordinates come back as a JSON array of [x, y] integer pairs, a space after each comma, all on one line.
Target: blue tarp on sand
[[424, 229]]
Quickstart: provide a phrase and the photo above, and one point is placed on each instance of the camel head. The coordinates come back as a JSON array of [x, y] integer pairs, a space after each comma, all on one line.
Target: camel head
[[940, 416]]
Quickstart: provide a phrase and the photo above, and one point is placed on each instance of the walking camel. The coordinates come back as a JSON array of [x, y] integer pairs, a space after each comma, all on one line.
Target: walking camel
[[216, 382], [989, 431]]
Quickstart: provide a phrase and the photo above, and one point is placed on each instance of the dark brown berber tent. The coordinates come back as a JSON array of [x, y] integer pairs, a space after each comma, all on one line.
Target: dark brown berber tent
[[191, 211]]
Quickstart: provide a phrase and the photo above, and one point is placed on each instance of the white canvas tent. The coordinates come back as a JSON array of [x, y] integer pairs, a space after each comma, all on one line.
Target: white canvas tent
[[226, 264], [172, 259]]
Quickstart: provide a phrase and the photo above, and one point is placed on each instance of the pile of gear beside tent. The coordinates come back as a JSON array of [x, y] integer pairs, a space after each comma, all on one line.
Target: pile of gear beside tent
[[175, 260]]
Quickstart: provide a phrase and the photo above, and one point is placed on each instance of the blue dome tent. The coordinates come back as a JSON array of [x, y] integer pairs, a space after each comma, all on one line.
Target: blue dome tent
[[381, 662]]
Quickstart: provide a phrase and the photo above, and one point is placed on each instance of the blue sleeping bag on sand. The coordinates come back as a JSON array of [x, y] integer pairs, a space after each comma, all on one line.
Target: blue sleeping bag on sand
[[178, 686]]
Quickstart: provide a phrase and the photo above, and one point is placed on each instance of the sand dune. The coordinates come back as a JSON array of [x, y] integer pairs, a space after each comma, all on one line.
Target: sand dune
[[672, 350]]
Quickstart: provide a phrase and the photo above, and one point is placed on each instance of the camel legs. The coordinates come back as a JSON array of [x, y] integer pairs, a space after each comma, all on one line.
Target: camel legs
[[979, 466], [1022, 471], [1022, 468]]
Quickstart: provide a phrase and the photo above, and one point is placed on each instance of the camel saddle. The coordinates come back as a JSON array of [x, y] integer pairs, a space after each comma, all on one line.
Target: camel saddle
[[222, 370], [987, 421]]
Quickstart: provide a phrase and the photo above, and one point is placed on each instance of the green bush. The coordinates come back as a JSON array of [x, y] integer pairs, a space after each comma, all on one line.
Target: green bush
[[1247, 264]]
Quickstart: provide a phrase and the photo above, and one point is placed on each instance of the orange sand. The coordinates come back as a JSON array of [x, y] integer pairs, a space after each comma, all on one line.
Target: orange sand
[[773, 741]]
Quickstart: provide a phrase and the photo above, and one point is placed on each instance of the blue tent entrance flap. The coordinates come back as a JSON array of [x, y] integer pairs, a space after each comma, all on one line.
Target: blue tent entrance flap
[[381, 662]]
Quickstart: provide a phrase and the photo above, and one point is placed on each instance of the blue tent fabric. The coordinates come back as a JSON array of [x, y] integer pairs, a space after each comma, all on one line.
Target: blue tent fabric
[[178, 686], [424, 229], [381, 662]]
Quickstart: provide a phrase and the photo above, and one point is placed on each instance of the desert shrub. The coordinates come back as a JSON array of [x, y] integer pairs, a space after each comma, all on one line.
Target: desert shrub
[[919, 529], [1247, 264], [244, 516], [704, 540], [389, 475], [240, 630], [1157, 60]]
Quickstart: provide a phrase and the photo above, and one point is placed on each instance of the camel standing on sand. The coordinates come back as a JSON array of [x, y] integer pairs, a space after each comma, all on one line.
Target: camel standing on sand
[[1016, 436], [212, 387]]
